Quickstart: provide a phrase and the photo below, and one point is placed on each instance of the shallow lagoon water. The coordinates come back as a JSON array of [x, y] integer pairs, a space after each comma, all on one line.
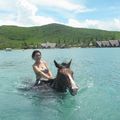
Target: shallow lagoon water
[[96, 71]]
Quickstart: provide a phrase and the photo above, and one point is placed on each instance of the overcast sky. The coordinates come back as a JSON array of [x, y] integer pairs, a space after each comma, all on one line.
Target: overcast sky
[[100, 14]]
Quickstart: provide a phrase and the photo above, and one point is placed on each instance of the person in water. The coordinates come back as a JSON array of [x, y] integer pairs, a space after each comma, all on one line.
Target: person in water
[[40, 67]]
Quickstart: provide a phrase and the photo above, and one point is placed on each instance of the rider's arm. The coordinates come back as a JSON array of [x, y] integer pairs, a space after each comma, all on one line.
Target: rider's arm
[[36, 70], [49, 72]]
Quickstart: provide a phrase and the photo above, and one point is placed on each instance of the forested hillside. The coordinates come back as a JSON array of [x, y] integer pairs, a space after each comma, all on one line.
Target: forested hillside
[[21, 37]]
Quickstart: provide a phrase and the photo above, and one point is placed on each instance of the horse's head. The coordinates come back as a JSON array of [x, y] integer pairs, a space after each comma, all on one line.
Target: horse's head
[[65, 78]]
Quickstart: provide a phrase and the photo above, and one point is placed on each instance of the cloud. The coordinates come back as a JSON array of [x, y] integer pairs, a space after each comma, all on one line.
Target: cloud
[[62, 4], [26, 15], [9, 20], [28, 11], [7, 4], [25, 12], [113, 24], [41, 20], [27, 7]]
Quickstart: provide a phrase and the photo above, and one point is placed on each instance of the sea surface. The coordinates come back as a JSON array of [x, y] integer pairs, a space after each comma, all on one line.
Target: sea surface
[[96, 72]]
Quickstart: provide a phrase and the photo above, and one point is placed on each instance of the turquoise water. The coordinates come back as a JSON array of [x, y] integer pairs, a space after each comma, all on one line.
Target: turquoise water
[[96, 71]]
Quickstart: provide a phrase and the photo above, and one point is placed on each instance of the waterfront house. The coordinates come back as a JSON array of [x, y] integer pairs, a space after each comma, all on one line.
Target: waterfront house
[[109, 43], [98, 44], [114, 43], [8, 49], [48, 45]]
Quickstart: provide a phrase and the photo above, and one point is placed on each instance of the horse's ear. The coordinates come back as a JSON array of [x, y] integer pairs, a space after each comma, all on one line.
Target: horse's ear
[[57, 65], [68, 65]]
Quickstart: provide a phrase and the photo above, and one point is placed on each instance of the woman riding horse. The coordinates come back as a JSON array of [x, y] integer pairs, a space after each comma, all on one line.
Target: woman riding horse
[[40, 68], [64, 78]]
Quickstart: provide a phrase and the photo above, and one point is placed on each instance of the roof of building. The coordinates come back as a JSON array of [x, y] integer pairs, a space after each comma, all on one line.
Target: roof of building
[[46, 45]]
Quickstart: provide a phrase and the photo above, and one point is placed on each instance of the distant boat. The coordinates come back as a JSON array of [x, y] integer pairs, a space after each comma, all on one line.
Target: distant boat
[[8, 49]]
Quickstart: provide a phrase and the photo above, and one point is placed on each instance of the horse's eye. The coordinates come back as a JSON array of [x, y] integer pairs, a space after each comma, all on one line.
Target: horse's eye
[[72, 72]]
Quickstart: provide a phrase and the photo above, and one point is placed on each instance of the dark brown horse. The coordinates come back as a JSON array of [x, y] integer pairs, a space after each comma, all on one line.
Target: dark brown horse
[[64, 79]]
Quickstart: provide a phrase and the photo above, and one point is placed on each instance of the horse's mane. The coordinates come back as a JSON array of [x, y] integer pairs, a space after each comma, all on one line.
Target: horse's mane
[[64, 64]]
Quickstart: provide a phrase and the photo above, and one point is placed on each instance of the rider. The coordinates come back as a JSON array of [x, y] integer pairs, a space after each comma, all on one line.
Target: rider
[[40, 68]]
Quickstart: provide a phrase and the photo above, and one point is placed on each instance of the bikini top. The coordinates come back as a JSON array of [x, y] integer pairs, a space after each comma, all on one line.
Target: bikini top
[[40, 77]]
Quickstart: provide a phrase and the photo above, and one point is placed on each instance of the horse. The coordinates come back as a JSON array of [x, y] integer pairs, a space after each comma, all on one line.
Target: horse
[[63, 81]]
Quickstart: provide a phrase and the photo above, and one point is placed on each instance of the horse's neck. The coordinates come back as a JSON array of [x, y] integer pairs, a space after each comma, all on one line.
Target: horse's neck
[[59, 84]]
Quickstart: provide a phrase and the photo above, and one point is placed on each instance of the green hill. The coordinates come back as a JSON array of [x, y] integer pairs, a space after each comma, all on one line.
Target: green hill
[[20, 37]]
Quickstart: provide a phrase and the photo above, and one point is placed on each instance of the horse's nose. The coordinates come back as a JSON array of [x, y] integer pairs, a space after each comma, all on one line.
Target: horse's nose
[[73, 91]]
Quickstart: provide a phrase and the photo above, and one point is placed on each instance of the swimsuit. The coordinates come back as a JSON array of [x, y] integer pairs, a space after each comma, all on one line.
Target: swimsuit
[[40, 79]]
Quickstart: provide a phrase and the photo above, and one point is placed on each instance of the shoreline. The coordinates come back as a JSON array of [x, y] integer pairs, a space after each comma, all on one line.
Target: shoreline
[[57, 48]]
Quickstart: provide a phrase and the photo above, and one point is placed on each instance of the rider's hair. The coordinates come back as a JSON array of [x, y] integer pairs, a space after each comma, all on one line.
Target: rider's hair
[[34, 52]]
